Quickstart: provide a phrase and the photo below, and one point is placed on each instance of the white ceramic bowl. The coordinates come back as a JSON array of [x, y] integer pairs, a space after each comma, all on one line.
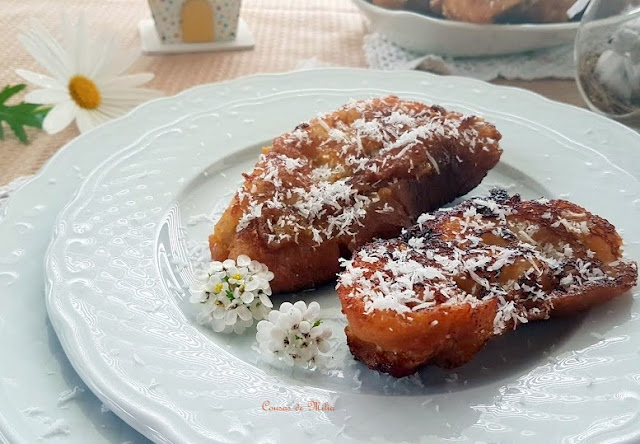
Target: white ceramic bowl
[[430, 35]]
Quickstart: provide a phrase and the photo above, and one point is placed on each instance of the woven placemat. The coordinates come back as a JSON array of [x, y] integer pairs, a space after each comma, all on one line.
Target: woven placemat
[[287, 32]]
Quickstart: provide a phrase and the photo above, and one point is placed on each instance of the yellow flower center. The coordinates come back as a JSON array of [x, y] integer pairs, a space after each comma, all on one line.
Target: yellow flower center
[[217, 288], [84, 92], [237, 276]]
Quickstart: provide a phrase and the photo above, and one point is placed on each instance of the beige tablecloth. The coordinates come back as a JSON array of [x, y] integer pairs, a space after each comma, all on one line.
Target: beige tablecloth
[[287, 32]]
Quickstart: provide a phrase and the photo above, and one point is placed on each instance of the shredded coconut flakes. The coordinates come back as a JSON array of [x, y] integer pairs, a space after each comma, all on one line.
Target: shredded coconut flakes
[[417, 274], [317, 196]]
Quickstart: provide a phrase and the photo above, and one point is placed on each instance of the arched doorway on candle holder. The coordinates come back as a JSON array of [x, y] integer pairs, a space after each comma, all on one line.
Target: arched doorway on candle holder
[[197, 21]]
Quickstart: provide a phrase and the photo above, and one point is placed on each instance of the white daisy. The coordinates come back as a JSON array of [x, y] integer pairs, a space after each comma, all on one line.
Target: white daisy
[[86, 81]]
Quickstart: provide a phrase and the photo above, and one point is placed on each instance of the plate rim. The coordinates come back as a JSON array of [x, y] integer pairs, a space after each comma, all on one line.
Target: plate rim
[[61, 327]]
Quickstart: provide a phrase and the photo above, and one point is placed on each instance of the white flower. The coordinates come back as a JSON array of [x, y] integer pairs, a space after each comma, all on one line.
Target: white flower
[[86, 81], [295, 335], [232, 294]]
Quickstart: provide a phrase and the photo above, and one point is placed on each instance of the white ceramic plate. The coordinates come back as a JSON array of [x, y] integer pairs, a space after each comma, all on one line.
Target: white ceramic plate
[[430, 35], [36, 379], [116, 296]]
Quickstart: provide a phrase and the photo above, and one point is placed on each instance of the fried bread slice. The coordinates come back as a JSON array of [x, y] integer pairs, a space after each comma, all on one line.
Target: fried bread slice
[[474, 11], [411, 5], [342, 179], [526, 11], [462, 276], [540, 11]]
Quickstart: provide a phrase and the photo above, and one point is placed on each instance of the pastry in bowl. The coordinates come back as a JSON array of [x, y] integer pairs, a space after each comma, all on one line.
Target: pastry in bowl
[[436, 294], [473, 11], [540, 11], [485, 11], [336, 182]]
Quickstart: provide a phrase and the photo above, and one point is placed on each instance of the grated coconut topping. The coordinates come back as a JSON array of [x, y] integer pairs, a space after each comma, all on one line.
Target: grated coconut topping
[[321, 180], [456, 266]]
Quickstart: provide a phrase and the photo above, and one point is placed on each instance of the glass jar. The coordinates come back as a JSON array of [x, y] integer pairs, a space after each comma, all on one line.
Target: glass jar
[[607, 53]]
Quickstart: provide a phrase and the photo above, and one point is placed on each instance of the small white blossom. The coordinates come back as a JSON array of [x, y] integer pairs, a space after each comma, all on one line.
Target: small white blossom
[[232, 294], [294, 334]]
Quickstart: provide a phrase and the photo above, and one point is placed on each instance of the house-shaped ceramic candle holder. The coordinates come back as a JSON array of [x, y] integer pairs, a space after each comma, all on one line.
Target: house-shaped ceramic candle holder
[[194, 25]]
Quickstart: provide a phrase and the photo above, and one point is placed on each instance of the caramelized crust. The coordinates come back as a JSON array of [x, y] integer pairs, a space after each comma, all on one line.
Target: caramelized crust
[[390, 4], [439, 292], [530, 11], [541, 11], [411, 5], [473, 11], [342, 179]]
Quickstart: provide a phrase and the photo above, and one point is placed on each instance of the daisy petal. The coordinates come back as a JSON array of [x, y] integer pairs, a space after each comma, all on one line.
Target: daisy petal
[[47, 96], [69, 36], [109, 112], [121, 61], [71, 42], [91, 119], [105, 48], [100, 117], [129, 81], [59, 117], [39, 79], [84, 47], [120, 105], [85, 120], [128, 96], [45, 49]]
